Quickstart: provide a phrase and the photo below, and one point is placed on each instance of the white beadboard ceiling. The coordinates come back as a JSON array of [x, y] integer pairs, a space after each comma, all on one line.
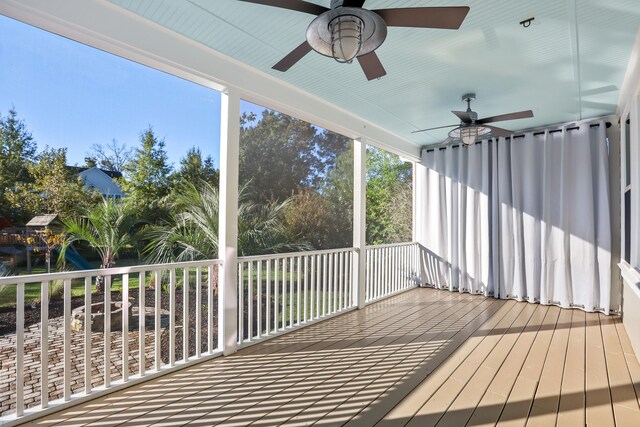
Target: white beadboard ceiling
[[568, 65]]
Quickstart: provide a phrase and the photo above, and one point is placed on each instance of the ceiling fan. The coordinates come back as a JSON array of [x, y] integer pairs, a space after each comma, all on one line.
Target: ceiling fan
[[470, 127], [346, 31]]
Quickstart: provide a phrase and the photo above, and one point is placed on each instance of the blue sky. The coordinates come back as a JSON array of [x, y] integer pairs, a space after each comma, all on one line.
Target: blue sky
[[71, 95]]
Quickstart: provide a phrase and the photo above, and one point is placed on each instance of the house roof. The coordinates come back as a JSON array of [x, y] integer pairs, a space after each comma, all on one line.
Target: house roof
[[109, 173], [101, 181], [43, 220]]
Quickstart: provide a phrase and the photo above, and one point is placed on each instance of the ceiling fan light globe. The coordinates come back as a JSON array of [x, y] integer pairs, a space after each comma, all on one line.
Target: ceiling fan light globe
[[346, 37], [468, 139]]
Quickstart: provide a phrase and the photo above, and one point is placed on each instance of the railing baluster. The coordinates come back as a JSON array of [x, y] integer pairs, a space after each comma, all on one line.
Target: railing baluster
[[368, 286], [276, 291], [44, 344], [324, 284], [240, 302], [259, 298], [198, 312], [397, 269], [185, 314], [107, 331], [172, 317], [250, 300], [284, 293], [312, 300], [20, 349], [157, 326], [88, 329], [318, 285], [306, 288], [291, 269], [142, 318], [379, 277], [299, 294], [268, 320], [341, 293], [67, 340], [210, 308], [336, 282], [125, 327]]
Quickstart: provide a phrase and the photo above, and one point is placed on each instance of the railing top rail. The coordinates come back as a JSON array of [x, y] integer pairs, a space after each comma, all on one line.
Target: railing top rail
[[78, 274], [293, 254], [390, 245]]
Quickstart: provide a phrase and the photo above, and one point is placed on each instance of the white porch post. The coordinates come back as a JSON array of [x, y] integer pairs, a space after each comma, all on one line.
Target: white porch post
[[228, 222], [359, 220], [414, 202]]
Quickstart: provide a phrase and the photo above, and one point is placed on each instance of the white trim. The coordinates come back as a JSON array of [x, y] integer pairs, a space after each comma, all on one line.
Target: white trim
[[631, 82], [108, 27]]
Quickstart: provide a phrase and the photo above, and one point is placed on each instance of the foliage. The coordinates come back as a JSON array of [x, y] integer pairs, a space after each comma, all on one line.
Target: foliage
[[147, 179], [192, 231], [310, 217], [193, 168], [17, 150], [50, 239], [281, 155], [113, 156], [54, 188], [108, 228], [389, 198]]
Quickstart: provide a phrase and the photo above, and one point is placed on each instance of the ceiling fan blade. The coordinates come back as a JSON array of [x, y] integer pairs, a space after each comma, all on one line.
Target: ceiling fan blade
[[297, 5], [294, 56], [439, 127], [511, 116], [353, 3], [371, 66], [499, 131], [463, 115], [425, 17]]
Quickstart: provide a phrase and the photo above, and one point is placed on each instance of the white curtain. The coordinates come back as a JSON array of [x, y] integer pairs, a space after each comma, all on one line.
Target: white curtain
[[458, 185], [526, 218]]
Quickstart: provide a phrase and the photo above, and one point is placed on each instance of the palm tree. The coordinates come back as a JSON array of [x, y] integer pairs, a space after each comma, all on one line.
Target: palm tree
[[106, 228], [192, 232]]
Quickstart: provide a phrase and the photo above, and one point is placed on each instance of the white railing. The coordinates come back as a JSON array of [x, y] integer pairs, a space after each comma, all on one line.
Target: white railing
[[390, 269], [283, 291], [59, 361], [63, 359]]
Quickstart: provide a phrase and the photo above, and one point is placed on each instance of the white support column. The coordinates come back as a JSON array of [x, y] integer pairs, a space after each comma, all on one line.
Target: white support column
[[359, 219], [414, 203], [228, 222]]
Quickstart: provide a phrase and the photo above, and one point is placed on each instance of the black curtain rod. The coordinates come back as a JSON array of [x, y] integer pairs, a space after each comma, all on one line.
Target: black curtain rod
[[594, 125]]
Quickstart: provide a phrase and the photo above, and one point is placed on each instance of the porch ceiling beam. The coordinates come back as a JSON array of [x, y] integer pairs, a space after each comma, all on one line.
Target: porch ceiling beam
[[113, 29]]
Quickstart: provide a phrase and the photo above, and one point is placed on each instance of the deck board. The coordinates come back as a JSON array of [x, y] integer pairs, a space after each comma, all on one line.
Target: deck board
[[424, 357]]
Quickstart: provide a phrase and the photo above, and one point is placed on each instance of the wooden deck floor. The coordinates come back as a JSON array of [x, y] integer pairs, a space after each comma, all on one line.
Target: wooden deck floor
[[422, 358]]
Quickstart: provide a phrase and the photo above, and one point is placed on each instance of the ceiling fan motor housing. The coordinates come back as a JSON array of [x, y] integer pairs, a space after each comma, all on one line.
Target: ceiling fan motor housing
[[374, 29]]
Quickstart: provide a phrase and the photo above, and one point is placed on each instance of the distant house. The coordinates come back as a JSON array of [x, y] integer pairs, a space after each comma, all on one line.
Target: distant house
[[103, 181]]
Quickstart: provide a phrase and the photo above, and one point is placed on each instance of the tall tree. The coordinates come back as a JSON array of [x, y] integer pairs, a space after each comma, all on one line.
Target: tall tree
[[389, 198], [53, 188], [17, 151], [147, 177], [281, 155], [112, 156], [193, 168]]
